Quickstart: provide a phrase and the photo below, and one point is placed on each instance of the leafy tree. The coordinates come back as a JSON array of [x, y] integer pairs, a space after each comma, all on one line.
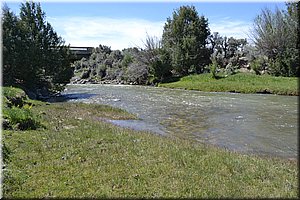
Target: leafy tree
[[157, 58], [184, 38], [226, 51], [275, 35], [11, 44], [33, 51]]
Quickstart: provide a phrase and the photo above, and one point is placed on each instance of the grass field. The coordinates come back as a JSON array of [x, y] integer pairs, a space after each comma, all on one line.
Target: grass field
[[77, 154], [241, 82]]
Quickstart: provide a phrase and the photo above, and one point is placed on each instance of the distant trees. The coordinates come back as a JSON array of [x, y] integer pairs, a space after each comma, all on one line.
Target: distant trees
[[184, 38], [226, 51], [126, 66], [34, 56], [275, 35]]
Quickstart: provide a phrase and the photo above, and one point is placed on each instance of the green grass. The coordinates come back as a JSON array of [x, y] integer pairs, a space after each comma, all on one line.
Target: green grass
[[78, 154], [241, 82]]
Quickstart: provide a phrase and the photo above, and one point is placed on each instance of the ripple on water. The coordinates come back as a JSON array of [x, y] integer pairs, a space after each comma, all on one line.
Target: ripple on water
[[264, 124]]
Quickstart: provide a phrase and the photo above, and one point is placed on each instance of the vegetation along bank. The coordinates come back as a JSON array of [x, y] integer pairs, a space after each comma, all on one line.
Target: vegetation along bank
[[239, 83], [187, 47]]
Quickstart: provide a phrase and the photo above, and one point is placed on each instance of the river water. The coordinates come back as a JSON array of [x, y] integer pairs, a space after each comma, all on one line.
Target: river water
[[248, 123]]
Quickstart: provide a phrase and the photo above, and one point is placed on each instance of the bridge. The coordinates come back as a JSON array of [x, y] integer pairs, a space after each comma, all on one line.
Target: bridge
[[81, 52]]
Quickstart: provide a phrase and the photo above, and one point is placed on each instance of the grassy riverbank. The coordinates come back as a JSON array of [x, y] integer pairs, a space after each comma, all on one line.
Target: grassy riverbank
[[75, 153], [241, 82]]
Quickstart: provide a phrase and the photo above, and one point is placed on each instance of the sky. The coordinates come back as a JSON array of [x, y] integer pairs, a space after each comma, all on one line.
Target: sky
[[121, 24]]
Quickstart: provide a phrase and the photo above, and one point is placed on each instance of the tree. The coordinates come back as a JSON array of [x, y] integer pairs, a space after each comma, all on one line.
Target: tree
[[225, 50], [157, 58], [275, 35], [34, 51], [11, 42], [184, 38]]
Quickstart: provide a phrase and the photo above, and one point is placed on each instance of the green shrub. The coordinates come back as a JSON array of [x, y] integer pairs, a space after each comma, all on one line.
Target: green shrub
[[21, 118], [258, 65], [14, 96], [213, 68], [11, 92]]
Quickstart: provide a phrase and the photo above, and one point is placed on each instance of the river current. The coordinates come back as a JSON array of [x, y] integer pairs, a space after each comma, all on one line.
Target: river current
[[249, 123]]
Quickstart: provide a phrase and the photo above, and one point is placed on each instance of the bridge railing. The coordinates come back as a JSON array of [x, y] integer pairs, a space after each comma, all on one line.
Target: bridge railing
[[81, 52]]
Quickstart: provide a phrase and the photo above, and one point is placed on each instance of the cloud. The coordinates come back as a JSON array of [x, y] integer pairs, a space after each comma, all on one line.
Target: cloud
[[116, 33], [124, 33], [231, 28]]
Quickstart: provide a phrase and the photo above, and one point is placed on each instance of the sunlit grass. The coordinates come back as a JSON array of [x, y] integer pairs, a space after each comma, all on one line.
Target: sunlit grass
[[80, 155], [241, 82]]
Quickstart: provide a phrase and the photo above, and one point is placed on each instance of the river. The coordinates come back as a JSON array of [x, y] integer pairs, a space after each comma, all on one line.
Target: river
[[248, 123]]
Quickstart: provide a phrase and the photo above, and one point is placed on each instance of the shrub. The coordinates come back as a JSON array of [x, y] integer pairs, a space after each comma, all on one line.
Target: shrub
[[213, 68], [13, 97], [230, 69], [21, 118], [258, 65], [11, 92]]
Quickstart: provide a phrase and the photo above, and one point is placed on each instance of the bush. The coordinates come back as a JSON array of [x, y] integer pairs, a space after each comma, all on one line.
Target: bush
[[258, 65], [21, 118], [16, 110], [86, 73], [213, 68], [11, 92], [230, 69]]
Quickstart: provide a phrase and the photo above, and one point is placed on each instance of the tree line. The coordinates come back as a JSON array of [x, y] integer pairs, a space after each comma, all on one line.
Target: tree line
[[188, 47], [35, 57]]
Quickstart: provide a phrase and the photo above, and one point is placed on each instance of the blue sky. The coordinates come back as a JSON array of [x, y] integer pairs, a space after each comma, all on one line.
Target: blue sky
[[125, 24]]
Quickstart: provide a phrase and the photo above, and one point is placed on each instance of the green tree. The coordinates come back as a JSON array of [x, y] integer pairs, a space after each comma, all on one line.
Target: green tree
[[275, 35], [11, 44], [157, 58], [34, 51], [184, 37], [226, 51]]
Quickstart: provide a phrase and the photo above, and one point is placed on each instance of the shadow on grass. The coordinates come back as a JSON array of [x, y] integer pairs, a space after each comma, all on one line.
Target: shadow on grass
[[171, 79], [217, 77], [177, 78]]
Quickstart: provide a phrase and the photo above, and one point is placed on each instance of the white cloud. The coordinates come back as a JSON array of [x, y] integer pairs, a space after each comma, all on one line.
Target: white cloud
[[124, 33], [231, 28], [117, 33]]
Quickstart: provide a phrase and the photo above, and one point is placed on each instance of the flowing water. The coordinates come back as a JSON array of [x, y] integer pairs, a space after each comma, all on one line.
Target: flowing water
[[248, 123]]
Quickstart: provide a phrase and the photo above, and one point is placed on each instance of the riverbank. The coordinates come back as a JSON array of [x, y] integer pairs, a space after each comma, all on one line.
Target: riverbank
[[238, 83], [75, 153]]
